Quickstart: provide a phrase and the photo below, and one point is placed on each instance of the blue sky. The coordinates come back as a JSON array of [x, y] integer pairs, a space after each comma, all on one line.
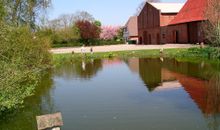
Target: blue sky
[[109, 12]]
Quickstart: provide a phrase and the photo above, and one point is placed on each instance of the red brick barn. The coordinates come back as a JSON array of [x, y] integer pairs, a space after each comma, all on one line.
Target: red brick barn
[[186, 27], [152, 21]]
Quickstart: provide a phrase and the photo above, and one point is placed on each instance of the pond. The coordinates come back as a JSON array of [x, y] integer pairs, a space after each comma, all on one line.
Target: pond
[[128, 94]]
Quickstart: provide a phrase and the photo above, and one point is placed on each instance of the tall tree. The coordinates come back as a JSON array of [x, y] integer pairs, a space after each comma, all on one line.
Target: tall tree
[[25, 12], [212, 25], [83, 16]]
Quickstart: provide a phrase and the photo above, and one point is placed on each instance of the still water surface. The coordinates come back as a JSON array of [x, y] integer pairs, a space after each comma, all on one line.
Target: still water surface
[[133, 94]]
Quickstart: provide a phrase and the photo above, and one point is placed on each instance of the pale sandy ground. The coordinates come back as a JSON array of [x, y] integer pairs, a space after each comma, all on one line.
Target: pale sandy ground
[[123, 47]]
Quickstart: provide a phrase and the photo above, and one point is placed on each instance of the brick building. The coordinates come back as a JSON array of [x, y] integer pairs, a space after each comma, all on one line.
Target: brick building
[[186, 27], [153, 20], [131, 30]]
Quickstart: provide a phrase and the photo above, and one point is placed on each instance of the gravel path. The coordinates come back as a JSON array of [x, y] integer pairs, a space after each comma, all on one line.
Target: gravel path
[[123, 47]]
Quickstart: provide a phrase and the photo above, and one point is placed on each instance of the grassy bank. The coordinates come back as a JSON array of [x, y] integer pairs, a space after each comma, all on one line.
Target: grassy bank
[[191, 54]]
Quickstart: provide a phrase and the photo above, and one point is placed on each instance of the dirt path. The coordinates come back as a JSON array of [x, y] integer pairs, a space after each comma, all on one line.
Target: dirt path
[[123, 47]]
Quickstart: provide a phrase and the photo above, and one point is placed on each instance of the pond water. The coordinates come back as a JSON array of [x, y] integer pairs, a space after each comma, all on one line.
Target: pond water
[[132, 94]]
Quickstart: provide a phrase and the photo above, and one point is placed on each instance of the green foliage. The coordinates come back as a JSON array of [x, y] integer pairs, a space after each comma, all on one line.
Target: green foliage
[[120, 34], [98, 23], [25, 12], [108, 42], [62, 37], [191, 54], [208, 53], [2, 11], [23, 56], [215, 35]]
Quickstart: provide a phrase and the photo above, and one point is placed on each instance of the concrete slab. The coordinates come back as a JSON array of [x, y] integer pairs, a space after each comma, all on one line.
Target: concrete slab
[[49, 121]]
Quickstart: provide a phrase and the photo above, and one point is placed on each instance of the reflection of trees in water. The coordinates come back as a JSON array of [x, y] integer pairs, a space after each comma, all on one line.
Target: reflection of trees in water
[[213, 102], [84, 69], [40, 103], [193, 77], [213, 94], [150, 72], [88, 69], [186, 68]]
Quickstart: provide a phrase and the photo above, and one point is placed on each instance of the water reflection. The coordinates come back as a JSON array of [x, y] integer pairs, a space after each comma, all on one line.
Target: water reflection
[[213, 102], [205, 91], [84, 69], [195, 78], [41, 103], [118, 95], [150, 72]]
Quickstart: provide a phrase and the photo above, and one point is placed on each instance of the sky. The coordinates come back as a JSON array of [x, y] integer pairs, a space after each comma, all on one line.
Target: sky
[[109, 12]]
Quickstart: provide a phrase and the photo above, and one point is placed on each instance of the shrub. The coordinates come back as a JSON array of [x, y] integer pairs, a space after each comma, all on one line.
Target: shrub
[[23, 56]]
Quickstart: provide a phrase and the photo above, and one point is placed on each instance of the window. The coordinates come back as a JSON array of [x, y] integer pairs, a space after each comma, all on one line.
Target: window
[[164, 36]]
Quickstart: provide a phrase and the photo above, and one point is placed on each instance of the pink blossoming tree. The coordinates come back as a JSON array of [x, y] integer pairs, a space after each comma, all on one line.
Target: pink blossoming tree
[[109, 32]]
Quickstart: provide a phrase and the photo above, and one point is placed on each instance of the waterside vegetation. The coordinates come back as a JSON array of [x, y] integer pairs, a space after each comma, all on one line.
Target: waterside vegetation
[[191, 54], [23, 53]]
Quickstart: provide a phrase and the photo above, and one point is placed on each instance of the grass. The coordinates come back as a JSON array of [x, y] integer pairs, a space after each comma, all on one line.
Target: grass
[[191, 54]]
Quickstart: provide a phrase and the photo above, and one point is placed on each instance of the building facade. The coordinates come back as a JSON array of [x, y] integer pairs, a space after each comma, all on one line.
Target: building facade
[[186, 27], [153, 20], [131, 31]]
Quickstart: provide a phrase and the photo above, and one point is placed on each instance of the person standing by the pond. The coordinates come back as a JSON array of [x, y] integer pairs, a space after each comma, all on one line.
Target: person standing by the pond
[[91, 50], [83, 50]]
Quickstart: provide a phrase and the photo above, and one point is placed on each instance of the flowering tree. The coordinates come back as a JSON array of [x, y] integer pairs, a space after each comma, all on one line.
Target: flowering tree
[[88, 31], [109, 32]]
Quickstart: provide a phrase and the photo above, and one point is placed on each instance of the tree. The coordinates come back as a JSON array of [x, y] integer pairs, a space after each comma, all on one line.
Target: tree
[[66, 20], [83, 16], [212, 25], [98, 23], [88, 31], [25, 12], [109, 32], [120, 34]]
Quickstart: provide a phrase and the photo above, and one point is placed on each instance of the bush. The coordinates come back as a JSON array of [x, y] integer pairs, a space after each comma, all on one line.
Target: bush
[[108, 42], [23, 56], [77, 43], [208, 52], [74, 43], [132, 42]]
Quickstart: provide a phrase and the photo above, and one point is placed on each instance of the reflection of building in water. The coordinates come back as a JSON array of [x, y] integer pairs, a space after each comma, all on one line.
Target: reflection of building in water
[[159, 76], [133, 64], [110, 62], [150, 72], [170, 85]]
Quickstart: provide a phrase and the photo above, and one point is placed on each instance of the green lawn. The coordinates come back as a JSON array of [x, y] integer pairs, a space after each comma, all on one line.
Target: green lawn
[[191, 54]]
